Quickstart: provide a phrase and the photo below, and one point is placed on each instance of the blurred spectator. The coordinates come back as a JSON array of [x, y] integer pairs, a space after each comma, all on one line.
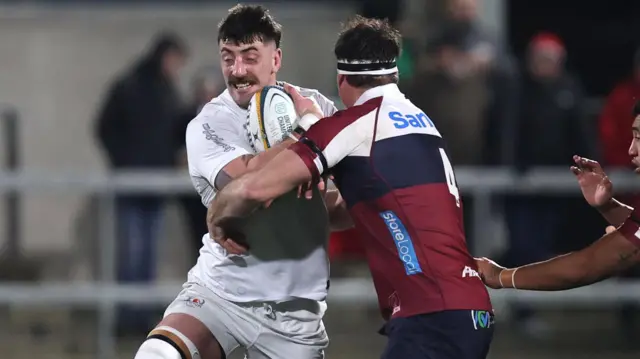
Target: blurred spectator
[[453, 81], [206, 84], [345, 245], [136, 127], [550, 129], [466, 82], [392, 11], [383, 9], [616, 118], [551, 126]]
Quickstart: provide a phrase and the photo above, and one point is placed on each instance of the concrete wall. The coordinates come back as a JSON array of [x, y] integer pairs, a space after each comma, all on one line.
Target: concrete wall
[[55, 63]]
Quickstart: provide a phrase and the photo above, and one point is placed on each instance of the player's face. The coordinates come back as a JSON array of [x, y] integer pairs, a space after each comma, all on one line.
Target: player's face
[[634, 149], [249, 67]]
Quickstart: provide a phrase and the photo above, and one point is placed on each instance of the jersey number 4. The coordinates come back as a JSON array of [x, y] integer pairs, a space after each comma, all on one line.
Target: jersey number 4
[[451, 178]]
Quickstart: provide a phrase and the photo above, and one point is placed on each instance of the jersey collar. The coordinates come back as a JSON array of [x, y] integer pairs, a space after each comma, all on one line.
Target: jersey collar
[[389, 90], [229, 100]]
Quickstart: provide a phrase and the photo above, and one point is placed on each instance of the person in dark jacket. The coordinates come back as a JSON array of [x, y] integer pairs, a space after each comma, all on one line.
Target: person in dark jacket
[[550, 129], [206, 84], [135, 127]]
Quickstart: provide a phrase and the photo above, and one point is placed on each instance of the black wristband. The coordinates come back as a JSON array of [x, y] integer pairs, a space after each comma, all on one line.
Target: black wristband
[[299, 131]]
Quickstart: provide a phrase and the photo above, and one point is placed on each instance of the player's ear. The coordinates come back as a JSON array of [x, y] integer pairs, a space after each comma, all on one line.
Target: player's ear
[[340, 80], [277, 59]]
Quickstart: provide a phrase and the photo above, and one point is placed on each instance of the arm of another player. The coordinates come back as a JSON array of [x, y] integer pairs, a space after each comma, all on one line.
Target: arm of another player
[[617, 251], [339, 217], [598, 190], [248, 162]]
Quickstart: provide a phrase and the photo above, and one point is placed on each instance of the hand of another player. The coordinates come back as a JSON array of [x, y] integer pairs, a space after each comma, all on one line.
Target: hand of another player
[[307, 188], [222, 232], [489, 272], [596, 187], [304, 106]]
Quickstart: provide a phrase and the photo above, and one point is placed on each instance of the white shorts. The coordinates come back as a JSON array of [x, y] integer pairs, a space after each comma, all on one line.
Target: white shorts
[[292, 329]]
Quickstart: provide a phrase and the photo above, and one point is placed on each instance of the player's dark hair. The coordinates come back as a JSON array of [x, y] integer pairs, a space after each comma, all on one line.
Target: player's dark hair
[[363, 39], [249, 23], [636, 109]]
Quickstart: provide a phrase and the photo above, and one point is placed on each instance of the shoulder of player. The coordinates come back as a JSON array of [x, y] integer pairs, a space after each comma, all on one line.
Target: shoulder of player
[[358, 111], [322, 100], [213, 115], [308, 92]]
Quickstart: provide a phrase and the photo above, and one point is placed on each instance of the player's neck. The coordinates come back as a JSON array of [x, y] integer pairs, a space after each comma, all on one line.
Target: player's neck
[[353, 97]]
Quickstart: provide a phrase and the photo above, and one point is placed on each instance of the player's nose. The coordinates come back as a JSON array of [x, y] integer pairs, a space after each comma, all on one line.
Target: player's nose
[[633, 150], [239, 69]]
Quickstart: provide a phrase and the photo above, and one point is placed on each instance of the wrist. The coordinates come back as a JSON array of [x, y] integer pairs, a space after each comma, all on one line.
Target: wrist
[[307, 120], [506, 278], [297, 133], [608, 205]]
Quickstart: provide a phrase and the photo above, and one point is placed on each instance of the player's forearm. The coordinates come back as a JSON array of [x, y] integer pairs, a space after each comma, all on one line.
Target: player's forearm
[[615, 212], [559, 273], [262, 158], [231, 202], [609, 255], [248, 163]]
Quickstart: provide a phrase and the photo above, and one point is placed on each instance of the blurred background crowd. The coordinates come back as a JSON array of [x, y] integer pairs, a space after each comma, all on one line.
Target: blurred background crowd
[[91, 89]]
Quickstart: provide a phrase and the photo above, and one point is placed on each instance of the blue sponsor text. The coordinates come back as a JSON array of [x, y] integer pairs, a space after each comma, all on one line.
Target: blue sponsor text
[[419, 120], [403, 242]]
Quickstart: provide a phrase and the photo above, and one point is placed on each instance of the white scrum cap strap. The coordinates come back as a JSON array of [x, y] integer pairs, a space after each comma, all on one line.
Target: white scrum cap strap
[[366, 67]]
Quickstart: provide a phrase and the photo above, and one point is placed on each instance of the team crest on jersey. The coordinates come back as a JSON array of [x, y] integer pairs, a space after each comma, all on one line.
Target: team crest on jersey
[[194, 302], [394, 302]]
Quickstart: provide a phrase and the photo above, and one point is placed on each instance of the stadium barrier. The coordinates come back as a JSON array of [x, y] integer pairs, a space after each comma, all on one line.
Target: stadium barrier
[[105, 294]]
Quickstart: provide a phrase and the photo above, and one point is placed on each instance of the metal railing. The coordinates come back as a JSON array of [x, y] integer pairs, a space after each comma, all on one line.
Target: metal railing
[[482, 183]]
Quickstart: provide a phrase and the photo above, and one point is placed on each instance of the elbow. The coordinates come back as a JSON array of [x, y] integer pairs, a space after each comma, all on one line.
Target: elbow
[[338, 224], [340, 219]]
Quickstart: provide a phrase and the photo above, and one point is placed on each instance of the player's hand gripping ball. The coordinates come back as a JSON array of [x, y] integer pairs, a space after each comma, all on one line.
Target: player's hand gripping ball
[[272, 117]]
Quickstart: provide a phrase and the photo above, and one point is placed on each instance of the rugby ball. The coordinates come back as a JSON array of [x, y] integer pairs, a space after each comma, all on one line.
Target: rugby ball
[[271, 118]]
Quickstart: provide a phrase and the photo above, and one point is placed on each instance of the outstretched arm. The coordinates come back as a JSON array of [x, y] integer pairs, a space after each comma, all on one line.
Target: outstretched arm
[[613, 253]]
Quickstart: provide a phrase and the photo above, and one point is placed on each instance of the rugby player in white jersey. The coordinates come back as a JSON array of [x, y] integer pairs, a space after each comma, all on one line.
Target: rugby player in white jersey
[[269, 303]]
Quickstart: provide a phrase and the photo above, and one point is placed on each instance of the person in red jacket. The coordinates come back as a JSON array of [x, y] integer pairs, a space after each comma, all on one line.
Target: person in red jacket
[[616, 118], [345, 245]]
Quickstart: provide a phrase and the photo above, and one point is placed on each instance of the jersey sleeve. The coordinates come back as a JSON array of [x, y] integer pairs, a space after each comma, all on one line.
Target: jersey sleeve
[[211, 145], [347, 132], [630, 229], [326, 105]]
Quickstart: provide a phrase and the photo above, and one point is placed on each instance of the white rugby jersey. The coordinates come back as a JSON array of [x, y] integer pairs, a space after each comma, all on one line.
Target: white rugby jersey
[[288, 240]]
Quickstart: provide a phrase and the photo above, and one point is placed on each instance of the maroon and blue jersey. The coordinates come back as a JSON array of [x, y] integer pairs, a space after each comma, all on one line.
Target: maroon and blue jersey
[[391, 166]]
